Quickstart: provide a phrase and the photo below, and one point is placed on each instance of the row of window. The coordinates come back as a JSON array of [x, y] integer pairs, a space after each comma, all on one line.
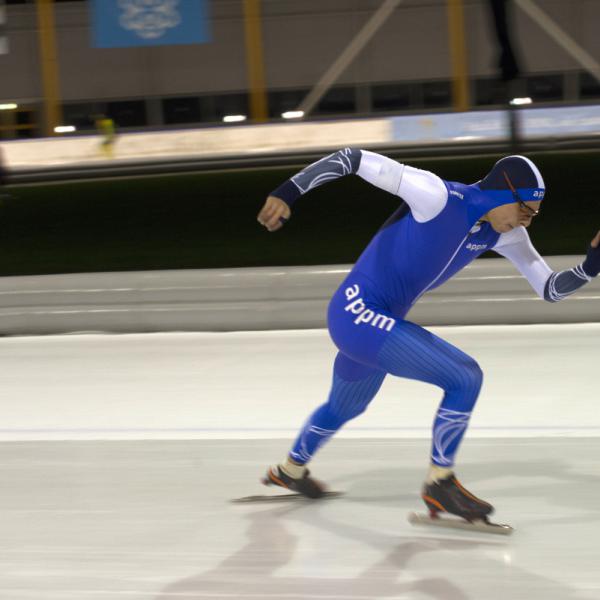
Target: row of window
[[339, 101], [376, 98]]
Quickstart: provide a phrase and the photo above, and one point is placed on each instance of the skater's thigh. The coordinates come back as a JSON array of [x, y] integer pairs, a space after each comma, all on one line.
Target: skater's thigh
[[414, 352], [358, 324], [347, 369], [370, 335]]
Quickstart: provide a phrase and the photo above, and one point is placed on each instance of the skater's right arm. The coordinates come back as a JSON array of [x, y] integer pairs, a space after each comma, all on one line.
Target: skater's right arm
[[424, 192], [550, 285]]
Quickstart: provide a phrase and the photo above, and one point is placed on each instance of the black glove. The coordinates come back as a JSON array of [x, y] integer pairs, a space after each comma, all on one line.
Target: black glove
[[591, 265]]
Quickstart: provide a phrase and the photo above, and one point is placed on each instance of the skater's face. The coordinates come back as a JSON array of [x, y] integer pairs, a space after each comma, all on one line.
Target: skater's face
[[508, 216]]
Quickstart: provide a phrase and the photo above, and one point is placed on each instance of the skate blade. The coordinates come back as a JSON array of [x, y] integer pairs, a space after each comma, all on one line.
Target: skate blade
[[451, 523], [283, 497]]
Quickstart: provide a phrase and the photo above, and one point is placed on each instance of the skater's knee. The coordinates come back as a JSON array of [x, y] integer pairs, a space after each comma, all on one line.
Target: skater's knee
[[475, 372], [468, 376], [348, 399], [348, 370]]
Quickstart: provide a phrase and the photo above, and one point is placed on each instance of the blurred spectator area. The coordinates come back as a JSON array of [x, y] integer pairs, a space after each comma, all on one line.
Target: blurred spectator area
[[404, 69], [361, 99]]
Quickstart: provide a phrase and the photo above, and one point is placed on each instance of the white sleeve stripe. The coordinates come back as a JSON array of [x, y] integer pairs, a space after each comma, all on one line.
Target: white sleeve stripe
[[578, 270], [517, 247], [554, 295], [571, 280], [380, 171], [424, 192]]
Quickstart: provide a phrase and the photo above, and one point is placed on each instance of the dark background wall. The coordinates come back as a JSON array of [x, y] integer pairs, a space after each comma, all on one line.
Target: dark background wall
[[209, 220]]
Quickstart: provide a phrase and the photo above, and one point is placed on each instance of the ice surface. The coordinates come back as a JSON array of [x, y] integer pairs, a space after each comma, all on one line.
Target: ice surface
[[88, 512]]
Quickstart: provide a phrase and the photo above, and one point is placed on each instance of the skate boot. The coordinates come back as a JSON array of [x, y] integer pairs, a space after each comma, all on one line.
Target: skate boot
[[306, 485], [448, 495]]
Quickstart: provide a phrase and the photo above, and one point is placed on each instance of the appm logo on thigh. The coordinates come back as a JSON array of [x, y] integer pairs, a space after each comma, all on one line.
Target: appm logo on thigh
[[364, 314]]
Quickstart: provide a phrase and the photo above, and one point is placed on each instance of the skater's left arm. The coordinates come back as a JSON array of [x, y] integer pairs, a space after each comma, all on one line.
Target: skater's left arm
[[550, 285], [424, 192]]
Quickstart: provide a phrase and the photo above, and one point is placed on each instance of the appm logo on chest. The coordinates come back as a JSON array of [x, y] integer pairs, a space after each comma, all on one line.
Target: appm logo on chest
[[475, 247]]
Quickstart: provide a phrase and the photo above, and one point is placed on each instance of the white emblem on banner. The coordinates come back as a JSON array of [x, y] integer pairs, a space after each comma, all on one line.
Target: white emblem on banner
[[3, 38], [149, 19]]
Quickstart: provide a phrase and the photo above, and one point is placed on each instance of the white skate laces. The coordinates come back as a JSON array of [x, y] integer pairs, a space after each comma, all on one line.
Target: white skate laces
[[436, 473], [292, 469]]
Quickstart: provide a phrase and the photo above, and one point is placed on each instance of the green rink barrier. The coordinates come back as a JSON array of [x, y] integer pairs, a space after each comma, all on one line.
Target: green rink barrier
[[208, 220]]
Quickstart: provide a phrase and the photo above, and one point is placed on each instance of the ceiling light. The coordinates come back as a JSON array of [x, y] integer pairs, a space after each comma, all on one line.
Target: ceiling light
[[234, 118], [520, 101]]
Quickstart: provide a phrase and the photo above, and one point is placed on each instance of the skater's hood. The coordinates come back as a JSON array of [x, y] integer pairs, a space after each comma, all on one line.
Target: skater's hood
[[516, 172]]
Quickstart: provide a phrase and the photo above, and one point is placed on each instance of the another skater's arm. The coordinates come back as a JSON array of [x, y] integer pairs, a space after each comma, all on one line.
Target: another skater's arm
[[424, 192], [549, 285]]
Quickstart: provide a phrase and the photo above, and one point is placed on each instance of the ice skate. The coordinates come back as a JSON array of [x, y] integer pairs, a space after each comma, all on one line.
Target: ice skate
[[449, 496], [305, 486], [301, 488]]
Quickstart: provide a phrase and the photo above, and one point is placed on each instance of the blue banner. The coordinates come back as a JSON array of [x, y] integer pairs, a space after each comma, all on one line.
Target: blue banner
[[559, 121], [122, 23]]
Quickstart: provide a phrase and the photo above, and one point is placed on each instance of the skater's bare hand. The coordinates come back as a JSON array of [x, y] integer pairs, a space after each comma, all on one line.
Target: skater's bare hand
[[274, 213], [596, 240]]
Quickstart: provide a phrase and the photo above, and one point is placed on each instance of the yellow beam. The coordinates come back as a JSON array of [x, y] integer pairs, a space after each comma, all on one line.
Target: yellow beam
[[254, 60], [49, 65], [458, 55]]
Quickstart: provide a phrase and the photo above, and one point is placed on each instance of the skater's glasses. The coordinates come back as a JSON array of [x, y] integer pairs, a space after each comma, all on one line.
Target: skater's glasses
[[530, 211]]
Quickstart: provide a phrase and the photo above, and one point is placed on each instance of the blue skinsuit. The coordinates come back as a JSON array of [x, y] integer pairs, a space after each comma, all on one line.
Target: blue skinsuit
[[366, 316], [407, 258]]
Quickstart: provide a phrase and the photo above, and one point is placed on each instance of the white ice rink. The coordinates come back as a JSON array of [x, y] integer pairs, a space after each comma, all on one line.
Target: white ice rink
[[120, 454]]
